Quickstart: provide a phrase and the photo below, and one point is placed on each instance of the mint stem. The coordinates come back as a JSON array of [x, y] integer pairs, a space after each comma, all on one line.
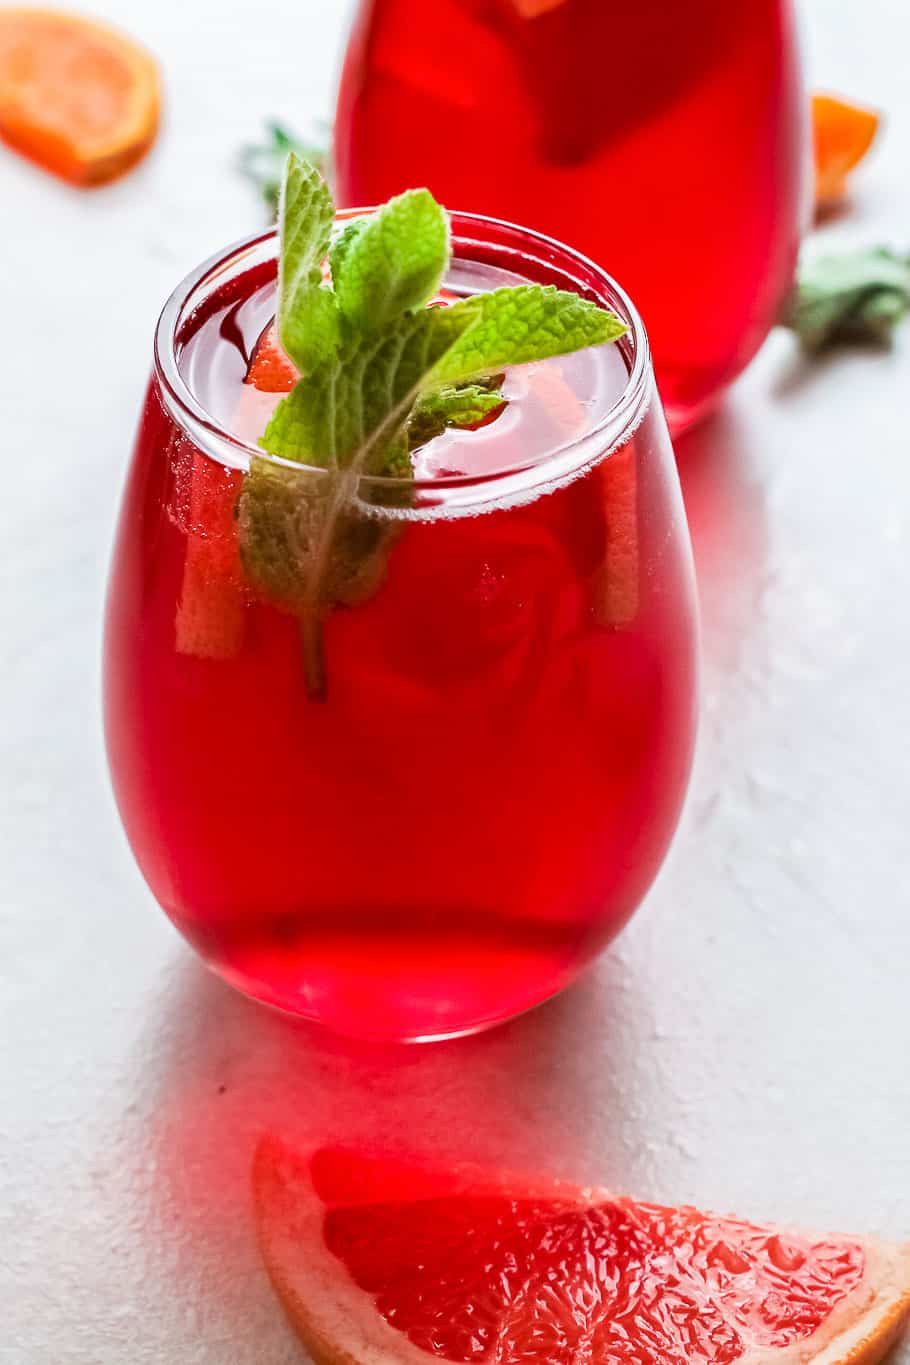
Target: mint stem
[[312, 634]]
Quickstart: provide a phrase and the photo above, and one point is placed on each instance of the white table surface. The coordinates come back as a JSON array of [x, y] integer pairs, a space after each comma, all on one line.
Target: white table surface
[[745, 1042]]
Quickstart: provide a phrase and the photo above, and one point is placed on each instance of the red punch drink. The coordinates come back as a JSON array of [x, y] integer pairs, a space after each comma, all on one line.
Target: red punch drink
[[488, 781], [552, 112]]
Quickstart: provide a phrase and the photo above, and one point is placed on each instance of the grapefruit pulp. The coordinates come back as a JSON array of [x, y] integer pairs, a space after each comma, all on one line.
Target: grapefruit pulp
[[377, 1262]]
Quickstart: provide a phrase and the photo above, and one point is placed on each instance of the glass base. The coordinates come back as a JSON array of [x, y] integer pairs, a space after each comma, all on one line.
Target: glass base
[[387, 1018]]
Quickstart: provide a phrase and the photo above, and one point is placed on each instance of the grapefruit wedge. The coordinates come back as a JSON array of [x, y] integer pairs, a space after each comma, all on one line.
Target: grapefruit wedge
[[379, 1262], [211, 611], [270, 370], [76, 96]]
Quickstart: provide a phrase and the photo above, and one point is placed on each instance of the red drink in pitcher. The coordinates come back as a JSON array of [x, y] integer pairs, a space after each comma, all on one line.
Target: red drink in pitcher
[[668, 139], [489, 783]]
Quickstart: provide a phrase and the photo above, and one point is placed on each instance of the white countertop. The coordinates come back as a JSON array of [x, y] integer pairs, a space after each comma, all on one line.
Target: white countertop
[[743, 1045]]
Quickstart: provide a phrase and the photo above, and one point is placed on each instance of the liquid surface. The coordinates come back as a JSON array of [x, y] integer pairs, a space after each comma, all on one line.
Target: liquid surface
[[550, 403], [518, 1279]]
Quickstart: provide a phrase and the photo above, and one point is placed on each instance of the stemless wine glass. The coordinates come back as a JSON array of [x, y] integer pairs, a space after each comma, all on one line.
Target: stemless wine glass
[[488, 784], [670, 140]]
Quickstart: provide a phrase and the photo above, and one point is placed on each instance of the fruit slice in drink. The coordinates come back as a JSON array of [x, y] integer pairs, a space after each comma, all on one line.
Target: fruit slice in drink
[[270, 370], [210, 617], [376, 1261]]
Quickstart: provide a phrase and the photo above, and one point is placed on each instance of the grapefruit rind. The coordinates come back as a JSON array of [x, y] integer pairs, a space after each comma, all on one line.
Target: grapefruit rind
[[865, 1326], [335, 1319], [339, 1324]]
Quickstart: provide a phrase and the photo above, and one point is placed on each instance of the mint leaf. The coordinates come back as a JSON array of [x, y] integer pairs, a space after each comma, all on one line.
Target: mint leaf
[[307, 216], [347, 411], [304, 540], [314, 331], [281, 514], [464, 406], [308, 325], [521, 324], [857, 296], [392, 263], [380, 374], [305, 544], [341, 248]]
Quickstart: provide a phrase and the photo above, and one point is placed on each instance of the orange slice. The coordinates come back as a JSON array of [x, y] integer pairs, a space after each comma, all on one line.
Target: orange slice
[[842, 134], [378, 1263], [76, 97]]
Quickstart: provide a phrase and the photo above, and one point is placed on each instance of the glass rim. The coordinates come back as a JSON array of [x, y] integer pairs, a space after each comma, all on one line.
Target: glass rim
[[613, 428]]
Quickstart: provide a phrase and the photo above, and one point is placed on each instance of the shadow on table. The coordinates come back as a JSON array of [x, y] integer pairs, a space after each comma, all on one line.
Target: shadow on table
[[528, 1096]]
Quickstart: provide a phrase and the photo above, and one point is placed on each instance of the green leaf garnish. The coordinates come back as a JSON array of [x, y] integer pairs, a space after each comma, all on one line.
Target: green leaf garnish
[[308, 319], [856, 296], [282, 513], [391, 262], [527, 322], [342, 246], [304, 542], [347, 410], [465, 405], [380, 374]]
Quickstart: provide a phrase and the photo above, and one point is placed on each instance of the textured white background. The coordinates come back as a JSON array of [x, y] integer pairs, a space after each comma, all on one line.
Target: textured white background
[[745, 1044]]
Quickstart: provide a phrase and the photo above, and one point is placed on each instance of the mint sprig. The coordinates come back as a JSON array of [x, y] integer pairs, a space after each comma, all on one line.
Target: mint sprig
[[380, 373], [348, 409], [855, 296], [304, 540], [263, 163]]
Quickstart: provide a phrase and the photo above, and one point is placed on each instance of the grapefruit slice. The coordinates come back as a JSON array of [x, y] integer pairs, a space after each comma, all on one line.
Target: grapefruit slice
[[616, 588], [77, 97], [378, 1262], [615, 585], [211, 612], [270, 370]]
